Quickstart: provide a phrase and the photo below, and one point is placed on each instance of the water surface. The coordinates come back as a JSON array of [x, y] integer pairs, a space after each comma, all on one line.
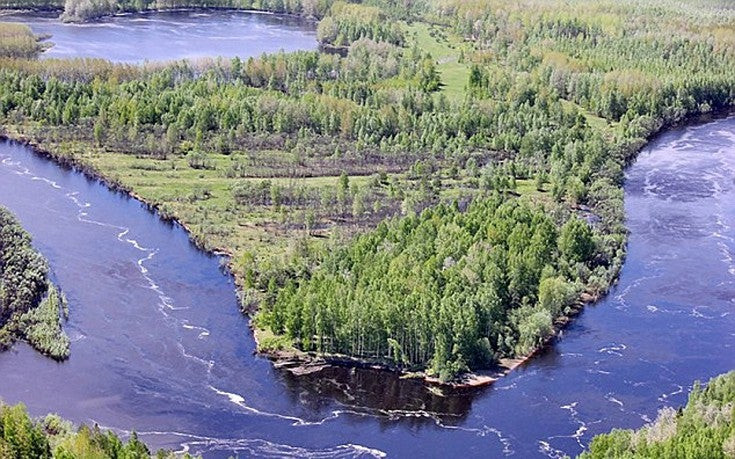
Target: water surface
[[160, 346], [173, 35]]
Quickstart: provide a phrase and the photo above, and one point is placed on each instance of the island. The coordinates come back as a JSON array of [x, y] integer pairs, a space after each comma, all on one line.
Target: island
[[31, 307]]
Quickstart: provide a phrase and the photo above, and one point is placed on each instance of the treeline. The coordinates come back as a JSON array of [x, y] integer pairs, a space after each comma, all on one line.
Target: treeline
[[31, 307], [349, 22], [53, 437], [83, 10], [447, 290], [612, 61], [704, 428], [216, 111]]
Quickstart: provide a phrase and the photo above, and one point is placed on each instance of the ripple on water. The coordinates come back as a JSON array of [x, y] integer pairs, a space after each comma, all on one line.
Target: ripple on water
[[606, 363]]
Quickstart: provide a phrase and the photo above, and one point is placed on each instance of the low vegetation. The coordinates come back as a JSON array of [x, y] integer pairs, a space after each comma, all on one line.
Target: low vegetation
[[31, 307], [18, 41], [704, 428]]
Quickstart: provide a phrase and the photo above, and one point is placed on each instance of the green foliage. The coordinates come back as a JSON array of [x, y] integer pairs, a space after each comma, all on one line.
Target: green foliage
[[576, 241], [42, 327], [447, 290], [31, 307], [704, 428], [82, 10], [18, 41], [349, 22], [52, 437], [274, 343]]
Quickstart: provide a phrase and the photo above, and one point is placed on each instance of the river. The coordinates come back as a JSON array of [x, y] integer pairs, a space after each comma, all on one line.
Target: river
[[173, 35], [160, 346]]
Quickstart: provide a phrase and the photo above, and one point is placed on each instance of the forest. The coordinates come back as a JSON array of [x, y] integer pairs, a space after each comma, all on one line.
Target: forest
[[31, 306], [447, 289], [476, 143], [704, 428], [53, 437]]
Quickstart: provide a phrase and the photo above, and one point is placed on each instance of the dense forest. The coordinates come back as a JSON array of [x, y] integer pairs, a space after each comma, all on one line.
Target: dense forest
[[704, 428], [438, 195], [31, 307], [53, 437], [447, 289]]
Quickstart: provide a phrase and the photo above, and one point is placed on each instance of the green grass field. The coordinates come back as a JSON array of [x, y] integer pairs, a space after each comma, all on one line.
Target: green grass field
[[445, 49]]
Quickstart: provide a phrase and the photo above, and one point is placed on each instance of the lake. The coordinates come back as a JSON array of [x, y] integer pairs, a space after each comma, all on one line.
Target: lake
[[175, 35]]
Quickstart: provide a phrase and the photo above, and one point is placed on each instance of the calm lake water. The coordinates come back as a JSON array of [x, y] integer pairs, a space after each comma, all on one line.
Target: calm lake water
[[173, 35], [160, 346]]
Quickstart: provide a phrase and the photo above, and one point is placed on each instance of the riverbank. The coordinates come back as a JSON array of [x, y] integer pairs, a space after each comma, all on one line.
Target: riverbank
[[114, 185], [60, 12], [31, 307], [298, 362], [295, 361], [289, 358]]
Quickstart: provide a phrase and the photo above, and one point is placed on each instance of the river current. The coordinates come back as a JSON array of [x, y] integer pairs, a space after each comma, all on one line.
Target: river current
[[159, 345]]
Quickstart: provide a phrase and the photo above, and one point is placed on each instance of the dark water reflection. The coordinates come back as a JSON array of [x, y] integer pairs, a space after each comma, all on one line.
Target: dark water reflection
[[173, 35], [160, 346], [378, 392]]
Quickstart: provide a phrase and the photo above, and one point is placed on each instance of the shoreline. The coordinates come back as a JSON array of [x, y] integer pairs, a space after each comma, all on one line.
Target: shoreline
[[299, 362], [60, 11], [115, 186], [293, 359]]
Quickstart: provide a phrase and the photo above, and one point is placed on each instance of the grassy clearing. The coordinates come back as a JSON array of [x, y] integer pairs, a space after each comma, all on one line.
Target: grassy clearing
[[203, 199], [445, 49], [594, 121]]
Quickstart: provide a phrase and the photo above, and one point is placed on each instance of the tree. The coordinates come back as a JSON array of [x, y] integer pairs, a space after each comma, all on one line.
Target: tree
[[326, 31], [554, 294], [358, 205], [576, 241]]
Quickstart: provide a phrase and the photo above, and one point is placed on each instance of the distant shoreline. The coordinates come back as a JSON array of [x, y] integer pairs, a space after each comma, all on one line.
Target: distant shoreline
[[60, 12]]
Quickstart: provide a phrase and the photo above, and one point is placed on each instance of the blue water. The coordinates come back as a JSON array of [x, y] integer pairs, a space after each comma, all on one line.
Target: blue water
[[174, 35], [160, 346]]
